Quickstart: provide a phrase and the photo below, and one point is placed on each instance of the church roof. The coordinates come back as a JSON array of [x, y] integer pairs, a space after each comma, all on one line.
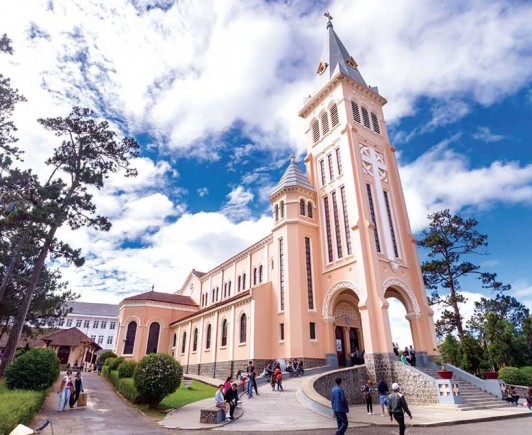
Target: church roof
[[162, 297], [293, 177], [68, 337], [335, 58]]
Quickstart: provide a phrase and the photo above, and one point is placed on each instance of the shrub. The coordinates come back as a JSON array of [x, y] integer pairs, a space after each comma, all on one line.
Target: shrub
[[109, 361], [115, 363], [126, 387], [527, 370], [18, 406], [127, 369], [105, 355], [36, 369], [105, 371], [513, 376], [157, 375], [113, 377]]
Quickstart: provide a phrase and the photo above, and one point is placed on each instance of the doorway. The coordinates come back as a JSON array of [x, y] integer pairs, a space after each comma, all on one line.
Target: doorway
[[63, 353], [340, 346]]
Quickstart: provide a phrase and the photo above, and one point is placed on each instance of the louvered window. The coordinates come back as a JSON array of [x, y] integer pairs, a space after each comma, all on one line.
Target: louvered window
[[328, 228], [302, 207], [308, 260], [322, 172], [338, 161], [315, 131], [239, 283], [324, 123], [373, 218], [356, 112], [365, 117], [390, 222], [334, 115], [276, 212], [331, 169], [282, 209], [261, 273], [375, 122], [346, 221], [309, 210], [255, 276], [337, 226]]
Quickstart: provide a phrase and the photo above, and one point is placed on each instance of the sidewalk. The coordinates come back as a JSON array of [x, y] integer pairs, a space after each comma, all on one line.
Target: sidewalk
[[281, 411]]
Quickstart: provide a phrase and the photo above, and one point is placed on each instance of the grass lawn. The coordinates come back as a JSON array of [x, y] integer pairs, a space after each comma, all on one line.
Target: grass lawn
[[181, 397]]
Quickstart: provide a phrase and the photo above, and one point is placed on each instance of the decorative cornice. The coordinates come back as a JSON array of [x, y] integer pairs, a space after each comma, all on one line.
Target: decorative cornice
[[284, 190], [335, 289], [398, 283]]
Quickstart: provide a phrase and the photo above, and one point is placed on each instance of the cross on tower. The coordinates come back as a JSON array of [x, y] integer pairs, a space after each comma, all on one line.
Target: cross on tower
[[329, 19]]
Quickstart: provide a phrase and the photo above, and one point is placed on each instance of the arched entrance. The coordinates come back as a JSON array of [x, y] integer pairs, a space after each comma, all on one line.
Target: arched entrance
[[348, 330]]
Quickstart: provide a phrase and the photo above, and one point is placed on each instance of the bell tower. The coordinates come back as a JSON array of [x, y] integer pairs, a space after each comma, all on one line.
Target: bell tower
[[368, 252]]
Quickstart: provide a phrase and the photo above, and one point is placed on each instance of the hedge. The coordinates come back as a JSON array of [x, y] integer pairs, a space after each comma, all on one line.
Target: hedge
[[115, 363], [105, 371], [18, 406], [528, 371], [113, 377], [105, 355], [513, 376], [126, 387], [127, 369], [36, 369]]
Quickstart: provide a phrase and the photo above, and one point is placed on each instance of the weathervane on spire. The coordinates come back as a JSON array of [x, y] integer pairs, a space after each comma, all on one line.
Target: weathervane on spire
[[292, 159], [329, 19]]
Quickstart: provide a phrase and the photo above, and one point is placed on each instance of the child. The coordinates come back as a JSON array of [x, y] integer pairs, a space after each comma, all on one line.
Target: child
[[278, 378]]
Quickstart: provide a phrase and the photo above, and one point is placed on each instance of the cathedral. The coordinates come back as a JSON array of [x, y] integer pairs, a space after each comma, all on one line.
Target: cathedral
[[316, 287]]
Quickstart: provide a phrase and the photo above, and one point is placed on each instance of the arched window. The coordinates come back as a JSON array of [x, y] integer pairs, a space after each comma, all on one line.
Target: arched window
[[229, 288], [243, 328], [153, 338], [309, 209], [356, 112], [276, 212], [244, 281], [130, 338], [224, 333], [239, 283], [208, 338], [315, 131], [260, 273], [334, 115], [217, 293], [365, 117], [302, 207], [255, 276], [324, 123], [375, 122], [282, 209], [184, 342], [175, 340], [225, 290], [195, 340], [213, 294]]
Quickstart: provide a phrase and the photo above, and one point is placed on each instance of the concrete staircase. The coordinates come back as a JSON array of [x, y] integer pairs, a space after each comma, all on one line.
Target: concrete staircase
[[474, 398]]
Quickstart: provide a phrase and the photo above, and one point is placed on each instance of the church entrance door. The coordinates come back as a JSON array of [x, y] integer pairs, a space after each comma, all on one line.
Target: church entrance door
[[354, 348], [340, 346]]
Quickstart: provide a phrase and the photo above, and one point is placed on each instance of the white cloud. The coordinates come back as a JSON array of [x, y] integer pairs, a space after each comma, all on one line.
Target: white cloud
[[202, 191], [236, 208], [485, 134]]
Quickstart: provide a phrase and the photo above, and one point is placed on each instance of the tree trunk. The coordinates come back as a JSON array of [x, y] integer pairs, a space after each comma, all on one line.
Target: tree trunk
[[456, 308], [18, 249], [16, 331]]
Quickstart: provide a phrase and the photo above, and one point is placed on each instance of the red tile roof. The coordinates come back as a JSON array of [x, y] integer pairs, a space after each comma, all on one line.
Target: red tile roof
[[68, 337], [163, 297]]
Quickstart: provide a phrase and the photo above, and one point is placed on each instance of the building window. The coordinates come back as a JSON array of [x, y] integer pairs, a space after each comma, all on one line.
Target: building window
[[365, 117], [109, 339], [130, 338], [69, 323], [153, 338], [282, 209], [61, 322], [328, 229], [224, 333], [261, 269], [229, 288], [390, 222], [281, 274], [195, 340], [302, 207], [337, 226], [375, 121], [338, 161], [255, 276], [239, 283], [243, 328], [309, 210], [104, 324], [281, 331], [315, 131], [225, 290], [86, 324], [356, 112], [324, 123], [346, 221], [112, 325], [312, 330], [308, 260], [93, 338], [276, 212], [95, 324], [322, 172], [334, 115], [184, 342], [174, 343], [78, 323], [208, 338], [217, 293], [331, 170], [243, 281], [373, 219], [100, 339]]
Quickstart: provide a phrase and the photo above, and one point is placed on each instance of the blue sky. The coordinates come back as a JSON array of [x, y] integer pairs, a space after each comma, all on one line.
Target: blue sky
[[211, 90]]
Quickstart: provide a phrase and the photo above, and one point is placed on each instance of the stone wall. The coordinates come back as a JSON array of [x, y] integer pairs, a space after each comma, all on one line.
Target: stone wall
[[352, 379], [418, 388]]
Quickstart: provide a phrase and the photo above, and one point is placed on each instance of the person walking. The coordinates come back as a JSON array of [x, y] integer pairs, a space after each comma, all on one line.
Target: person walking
[[65, 390], [231, 397], [382, 388], [78, 388], [367, 392], [340, 407], [397, 407]]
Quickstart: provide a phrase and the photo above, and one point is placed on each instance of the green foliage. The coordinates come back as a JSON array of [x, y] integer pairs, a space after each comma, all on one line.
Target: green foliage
[[36, 369], [114, 363], [18, 406], [127, 369], [126, 387], [498, 334], [513, 376], [527, 370], [182, 396], [472, 355], [157, 376], [105, 371], [106, 354], [109, 360], [450, 350], [113, 377]]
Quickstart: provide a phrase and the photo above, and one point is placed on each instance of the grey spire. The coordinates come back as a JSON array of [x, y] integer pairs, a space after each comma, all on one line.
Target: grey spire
[[293, 177], [335, 57]]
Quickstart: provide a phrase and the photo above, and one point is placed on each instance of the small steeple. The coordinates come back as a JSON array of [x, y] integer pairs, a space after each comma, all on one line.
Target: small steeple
[[293, 177], [335, 58]]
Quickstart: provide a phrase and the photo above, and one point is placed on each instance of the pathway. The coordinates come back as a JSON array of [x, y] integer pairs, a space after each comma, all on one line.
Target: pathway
[[106, 412]]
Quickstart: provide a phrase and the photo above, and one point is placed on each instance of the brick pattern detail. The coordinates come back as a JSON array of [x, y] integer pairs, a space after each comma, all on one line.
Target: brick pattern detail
[[352, 380]]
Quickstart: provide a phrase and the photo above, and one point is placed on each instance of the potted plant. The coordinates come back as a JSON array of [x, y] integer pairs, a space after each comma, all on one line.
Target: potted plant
[[443, 373], [491, 374]]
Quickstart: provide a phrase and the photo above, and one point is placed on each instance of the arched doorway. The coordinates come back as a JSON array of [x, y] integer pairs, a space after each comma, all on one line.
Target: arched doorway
[[348, 330]]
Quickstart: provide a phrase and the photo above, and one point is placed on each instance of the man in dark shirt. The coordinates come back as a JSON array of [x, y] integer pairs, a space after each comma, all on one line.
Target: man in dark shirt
[[397, 407], [340, 407], [382, 387], [231, 397]]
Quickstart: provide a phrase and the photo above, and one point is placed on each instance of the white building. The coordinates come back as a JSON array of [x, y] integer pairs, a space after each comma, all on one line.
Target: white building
[[97, 321]]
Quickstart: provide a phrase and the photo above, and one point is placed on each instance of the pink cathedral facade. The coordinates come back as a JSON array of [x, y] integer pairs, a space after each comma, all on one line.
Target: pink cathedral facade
[[316, 287]]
